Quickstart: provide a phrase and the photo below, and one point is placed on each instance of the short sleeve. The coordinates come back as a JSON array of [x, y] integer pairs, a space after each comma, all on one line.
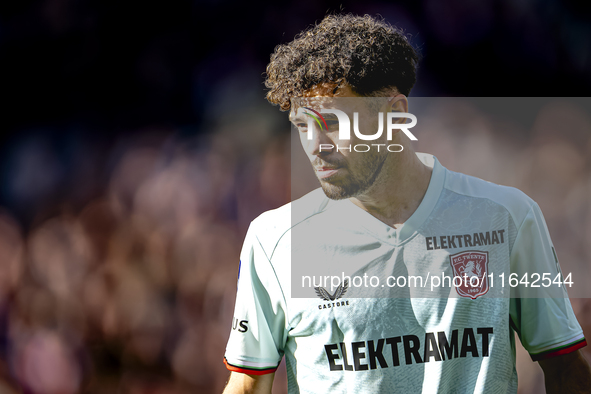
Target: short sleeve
[[543, 317], [258, 329]]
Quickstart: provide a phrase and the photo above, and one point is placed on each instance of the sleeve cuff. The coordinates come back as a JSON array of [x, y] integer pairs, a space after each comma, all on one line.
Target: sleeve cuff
[[250, 369], [559, 351]]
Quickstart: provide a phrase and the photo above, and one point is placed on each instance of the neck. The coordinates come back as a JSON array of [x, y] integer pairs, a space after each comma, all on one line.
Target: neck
[[398, 190]]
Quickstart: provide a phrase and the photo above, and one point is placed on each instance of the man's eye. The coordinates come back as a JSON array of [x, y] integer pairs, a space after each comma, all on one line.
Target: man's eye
[[301, 125]]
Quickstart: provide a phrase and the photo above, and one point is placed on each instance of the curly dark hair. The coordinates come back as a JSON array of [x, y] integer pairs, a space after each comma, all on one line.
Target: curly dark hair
[[366, 53]]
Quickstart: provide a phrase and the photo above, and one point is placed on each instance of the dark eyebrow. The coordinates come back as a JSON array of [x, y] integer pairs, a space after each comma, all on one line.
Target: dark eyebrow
[[297, 118]]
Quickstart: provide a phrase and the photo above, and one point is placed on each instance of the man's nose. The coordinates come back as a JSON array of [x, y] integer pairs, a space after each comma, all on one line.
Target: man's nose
[[320, 144]]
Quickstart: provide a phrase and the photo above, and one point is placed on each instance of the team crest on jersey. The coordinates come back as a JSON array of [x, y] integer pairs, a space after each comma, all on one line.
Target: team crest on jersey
[[472, 268]]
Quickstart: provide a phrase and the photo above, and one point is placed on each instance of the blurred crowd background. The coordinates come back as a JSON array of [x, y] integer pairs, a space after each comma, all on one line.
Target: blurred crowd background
[[137, 146]]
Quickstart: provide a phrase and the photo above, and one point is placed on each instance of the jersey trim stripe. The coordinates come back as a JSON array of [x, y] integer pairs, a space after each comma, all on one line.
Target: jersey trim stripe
[[560, 350], [249, 370]]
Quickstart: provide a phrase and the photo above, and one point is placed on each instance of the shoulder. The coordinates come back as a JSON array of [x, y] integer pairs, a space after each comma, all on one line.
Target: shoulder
[[271, 226], [513, 200]]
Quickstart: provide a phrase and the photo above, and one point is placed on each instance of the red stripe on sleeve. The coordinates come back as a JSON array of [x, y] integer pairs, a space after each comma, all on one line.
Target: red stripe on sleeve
[[247, 370], [560, 352]]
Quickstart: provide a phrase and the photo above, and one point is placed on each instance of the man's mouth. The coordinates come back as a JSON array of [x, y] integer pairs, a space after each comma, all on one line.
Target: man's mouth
[[325, 172]]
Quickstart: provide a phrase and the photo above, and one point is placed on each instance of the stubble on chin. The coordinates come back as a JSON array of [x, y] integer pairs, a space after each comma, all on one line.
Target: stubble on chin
[[354, 185], [335, 192]]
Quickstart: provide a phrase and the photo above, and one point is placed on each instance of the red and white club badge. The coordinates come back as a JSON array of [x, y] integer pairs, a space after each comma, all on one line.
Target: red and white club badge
[[472, 268]]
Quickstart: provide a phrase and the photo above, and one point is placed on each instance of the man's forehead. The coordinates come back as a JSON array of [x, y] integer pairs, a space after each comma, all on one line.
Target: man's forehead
[[302, 105], [322, 95]]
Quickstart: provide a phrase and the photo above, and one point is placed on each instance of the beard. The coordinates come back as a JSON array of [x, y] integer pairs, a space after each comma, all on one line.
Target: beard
[[359, 179]]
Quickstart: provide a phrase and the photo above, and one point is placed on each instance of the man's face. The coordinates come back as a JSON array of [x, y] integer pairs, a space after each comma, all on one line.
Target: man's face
[[343, 173]]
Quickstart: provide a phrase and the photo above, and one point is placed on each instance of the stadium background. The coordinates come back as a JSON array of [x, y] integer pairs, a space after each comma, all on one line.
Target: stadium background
[[137, 146]]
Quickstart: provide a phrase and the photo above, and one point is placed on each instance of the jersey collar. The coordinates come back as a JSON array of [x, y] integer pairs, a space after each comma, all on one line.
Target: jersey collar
[[413, 224]]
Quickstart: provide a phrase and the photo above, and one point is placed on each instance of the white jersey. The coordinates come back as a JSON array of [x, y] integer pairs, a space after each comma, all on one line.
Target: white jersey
[[380, 338]]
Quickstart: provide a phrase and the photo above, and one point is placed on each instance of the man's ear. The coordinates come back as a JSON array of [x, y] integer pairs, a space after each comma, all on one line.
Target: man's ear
[[398, 103]]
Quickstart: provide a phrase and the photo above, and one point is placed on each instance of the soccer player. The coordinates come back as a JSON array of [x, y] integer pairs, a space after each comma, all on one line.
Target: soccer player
[[390, 213]]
